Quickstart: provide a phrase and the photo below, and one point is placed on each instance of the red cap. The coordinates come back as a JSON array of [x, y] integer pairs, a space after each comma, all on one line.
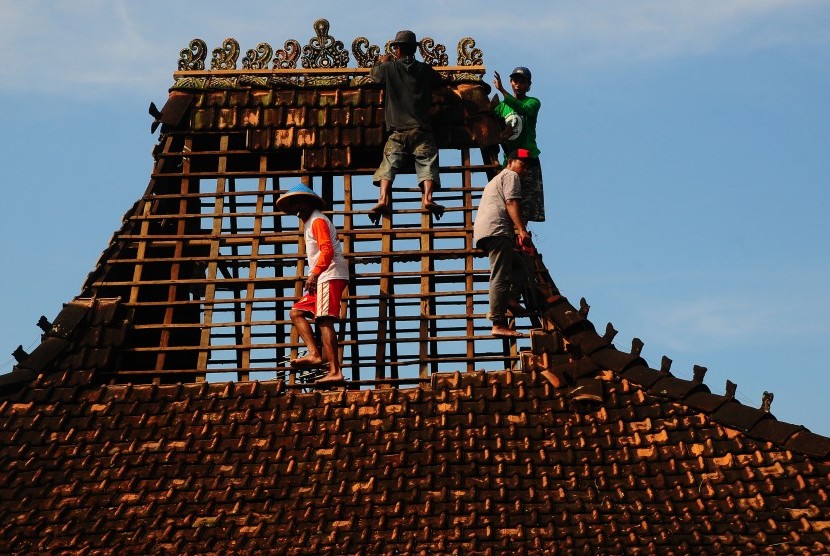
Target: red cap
[[519, 154]]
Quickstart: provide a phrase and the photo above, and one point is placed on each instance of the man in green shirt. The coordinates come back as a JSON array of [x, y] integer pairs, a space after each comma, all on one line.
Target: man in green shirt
[[520, 112]]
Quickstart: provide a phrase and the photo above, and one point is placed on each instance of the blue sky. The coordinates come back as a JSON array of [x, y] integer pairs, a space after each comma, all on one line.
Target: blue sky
[[684, 146]]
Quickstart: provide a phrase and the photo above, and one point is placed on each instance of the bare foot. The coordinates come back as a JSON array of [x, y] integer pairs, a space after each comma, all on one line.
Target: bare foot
[[377, 211], [307, 362], [436, 209], [501, 331], [331, 377]]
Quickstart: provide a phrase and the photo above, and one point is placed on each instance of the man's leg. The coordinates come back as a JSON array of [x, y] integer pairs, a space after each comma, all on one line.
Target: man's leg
[[385, 175], [313, 358], [425, 153], [430, 205], [384, 205], [328, 338], [500, 253]]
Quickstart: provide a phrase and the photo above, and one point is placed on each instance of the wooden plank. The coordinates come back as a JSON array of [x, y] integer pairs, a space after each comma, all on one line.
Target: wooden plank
[[250, 289], [212, 268], [385, 290], [350, 302], [144, 209], [469, 260], [426, 348], [172, 288], [354, 170], [281, 306]]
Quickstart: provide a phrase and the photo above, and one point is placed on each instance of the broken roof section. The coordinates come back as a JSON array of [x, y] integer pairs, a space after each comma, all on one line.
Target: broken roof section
[[198, 282], [205, 268]]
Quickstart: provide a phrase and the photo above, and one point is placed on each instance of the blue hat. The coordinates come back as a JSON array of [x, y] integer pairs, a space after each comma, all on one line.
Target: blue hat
[[521, 70], [300, 191]]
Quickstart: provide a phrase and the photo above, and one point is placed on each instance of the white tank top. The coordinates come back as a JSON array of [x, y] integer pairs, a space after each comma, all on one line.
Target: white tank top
[[338, 269]]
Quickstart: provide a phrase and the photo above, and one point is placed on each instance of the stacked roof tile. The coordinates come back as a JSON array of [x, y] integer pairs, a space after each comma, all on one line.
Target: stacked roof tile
[[334, 127], [112, 442]]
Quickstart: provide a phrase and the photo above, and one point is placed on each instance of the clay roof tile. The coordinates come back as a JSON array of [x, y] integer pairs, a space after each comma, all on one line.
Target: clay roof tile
[[809, 443]]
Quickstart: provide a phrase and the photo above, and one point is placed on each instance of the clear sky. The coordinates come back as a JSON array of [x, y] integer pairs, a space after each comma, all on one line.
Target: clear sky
[[685, 148]]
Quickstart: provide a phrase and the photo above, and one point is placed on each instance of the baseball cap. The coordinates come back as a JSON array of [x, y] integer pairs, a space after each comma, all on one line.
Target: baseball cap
[[522, 71], [519, 154]]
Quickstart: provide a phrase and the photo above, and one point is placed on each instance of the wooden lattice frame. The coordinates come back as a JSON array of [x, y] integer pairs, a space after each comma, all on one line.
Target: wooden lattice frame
[[210, 268]]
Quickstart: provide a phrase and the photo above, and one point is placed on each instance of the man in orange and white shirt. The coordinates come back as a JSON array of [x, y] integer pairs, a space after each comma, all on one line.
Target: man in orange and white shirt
[[327, 280]]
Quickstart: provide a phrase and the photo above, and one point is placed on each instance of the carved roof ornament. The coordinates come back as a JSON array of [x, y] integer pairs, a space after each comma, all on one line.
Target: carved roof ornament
[[286, 57], [224, 58], [433, 54], [369, 58], [258, 58], [468, 55], [324, 51], [193, 57]]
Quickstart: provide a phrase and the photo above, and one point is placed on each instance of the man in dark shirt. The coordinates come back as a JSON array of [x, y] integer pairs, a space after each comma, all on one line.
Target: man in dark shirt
[[408, 96]]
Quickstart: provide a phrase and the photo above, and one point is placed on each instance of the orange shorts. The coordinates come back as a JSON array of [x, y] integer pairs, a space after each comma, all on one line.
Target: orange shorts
[[326, 302]]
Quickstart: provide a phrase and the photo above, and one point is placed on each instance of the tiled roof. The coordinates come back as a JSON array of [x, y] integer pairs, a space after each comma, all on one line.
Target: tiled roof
[[474, 463], [82, 336], [589, 451]]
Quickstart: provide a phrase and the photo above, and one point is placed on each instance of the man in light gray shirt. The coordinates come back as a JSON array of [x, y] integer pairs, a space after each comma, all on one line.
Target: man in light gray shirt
[[499, 214]]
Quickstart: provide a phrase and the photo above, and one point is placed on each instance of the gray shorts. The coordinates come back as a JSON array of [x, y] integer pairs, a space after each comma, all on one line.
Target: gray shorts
[[405, 149]]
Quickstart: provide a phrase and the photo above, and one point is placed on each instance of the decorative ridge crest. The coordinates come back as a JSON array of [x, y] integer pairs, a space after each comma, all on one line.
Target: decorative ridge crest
[[225, 58], [192, 58], [433, 54], [322, 51], [259, 57], [366, 59]]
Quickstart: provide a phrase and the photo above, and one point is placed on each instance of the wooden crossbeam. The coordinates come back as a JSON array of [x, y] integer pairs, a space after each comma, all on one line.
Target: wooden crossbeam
[[209, 268]]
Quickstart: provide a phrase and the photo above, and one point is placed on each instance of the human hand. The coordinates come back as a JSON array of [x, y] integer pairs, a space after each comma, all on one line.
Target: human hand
[[526, 245], [497, 81], [311, 283]]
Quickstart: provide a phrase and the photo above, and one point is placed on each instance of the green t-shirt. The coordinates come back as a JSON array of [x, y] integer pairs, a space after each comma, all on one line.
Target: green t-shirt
[[528, 110]]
